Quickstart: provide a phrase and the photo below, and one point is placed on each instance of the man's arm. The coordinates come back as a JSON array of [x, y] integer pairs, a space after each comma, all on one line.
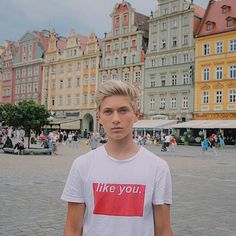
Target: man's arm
[[74, 220], [162, 225]]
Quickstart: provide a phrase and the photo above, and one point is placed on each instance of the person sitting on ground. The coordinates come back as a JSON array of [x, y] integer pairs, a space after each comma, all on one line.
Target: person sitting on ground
[[8, 143], [20, 146]]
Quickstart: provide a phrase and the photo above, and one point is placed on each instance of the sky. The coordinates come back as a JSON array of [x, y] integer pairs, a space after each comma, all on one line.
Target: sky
[[84, 16]]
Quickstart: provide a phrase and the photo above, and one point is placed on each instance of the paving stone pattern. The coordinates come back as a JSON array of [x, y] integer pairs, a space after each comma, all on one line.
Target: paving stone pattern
[[204, 191]]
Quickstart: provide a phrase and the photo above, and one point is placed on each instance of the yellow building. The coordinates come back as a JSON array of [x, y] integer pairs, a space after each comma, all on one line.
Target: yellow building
[[71, 77], [215, 68]]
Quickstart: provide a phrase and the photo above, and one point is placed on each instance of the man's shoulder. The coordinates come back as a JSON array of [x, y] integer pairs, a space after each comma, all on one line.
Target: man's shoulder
[[152, 157], [89, 156]]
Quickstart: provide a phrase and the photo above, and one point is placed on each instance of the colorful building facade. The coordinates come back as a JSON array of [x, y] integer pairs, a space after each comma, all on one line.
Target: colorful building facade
[[71, 77], [215, 86], [10, 49], [169, 64], [27, 67], [125, 46]]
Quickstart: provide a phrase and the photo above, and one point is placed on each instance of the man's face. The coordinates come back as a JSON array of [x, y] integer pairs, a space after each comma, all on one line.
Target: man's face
[[117, 116]]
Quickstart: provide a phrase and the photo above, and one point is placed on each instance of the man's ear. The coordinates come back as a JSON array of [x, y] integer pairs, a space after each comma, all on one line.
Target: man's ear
[[99, 117]]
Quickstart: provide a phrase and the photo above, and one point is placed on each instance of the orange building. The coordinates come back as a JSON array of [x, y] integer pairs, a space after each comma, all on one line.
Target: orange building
[[215, 62]]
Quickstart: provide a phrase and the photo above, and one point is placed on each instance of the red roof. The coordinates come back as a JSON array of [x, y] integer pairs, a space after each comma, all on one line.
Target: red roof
[[218, 12], [198, 15]]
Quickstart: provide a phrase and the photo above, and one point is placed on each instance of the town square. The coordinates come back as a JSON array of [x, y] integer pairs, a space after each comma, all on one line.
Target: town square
[[203, 191]]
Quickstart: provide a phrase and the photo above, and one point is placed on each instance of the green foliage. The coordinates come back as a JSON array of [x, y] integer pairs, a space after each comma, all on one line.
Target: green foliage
[[26, 114]]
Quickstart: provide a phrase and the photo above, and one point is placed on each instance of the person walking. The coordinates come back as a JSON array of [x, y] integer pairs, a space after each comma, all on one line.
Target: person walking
[[119, 188]]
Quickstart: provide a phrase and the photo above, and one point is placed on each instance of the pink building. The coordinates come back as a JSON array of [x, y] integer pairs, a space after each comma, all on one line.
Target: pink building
[[10, 49], [28, 64]]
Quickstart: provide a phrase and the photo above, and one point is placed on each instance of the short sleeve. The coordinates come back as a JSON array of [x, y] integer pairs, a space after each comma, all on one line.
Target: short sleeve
[[74, 188], [163, 187]]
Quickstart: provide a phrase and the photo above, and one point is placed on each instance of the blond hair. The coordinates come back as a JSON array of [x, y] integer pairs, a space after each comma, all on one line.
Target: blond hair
[[116, 87]]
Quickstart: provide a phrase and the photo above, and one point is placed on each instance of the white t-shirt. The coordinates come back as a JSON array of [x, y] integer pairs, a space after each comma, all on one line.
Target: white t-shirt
[[118, 193]]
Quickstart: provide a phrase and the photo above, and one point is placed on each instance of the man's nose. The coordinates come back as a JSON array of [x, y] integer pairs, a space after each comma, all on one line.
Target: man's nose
[[116, 117]]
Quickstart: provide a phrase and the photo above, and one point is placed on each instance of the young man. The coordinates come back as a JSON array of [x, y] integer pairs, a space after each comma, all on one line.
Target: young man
[[119, 189]]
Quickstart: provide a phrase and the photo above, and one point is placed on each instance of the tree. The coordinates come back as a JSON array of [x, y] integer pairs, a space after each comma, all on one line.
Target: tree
[[26, 114]]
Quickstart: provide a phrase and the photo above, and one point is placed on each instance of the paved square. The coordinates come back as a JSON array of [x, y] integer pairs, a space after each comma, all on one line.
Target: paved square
[[204, 191]]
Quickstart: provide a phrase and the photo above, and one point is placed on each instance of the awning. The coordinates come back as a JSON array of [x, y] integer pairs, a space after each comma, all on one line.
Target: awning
[[207, 124], [154, 124], [68, 124], [71, 125]]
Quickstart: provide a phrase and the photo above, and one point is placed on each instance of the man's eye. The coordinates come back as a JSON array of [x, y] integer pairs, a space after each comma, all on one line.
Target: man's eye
[[107, 112], [124, 110]]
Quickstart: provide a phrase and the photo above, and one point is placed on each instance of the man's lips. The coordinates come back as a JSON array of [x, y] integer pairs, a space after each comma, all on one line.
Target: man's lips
[[116, 128]]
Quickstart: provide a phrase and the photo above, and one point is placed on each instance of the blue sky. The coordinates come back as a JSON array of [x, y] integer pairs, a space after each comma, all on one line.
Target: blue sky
[[84, 16]]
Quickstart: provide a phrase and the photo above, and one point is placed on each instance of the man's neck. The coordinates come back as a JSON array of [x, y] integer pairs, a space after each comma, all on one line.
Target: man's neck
[[121, 150]]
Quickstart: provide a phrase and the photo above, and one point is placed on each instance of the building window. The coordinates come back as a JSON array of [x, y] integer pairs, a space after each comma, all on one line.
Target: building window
[[60, 100], [78, 82], [230, 22], [124, 60], [163, 61], [219, 47], [185, 40], [173, 103], [152, 103], [85, 80], [62, 69], [174, 79], [163, 25], [114, 76], [174, 60], [205, 97], [185, 102], [174, 23], [185, 57], [162, 103], [53, 101], [30, 71], [206, 49], [174, 41], [185, 79], [126, 77], [78, 66], [232, 71], [163, 43], [163, 82], [116, 61], [209, 26], [68, 99], [93, 80], [92, 100], [153, 62], [133, 58], [85, 98], [77, 99], [69, 83], [219, 72], [93, 64], [232, 45], [232, 96], [152, 83], [69, 68], [218, 96], [61, 84], [206, 74], [137, 76]]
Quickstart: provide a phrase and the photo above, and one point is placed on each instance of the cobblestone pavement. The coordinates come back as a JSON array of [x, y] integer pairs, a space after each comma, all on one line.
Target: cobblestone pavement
[[204, 191]]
